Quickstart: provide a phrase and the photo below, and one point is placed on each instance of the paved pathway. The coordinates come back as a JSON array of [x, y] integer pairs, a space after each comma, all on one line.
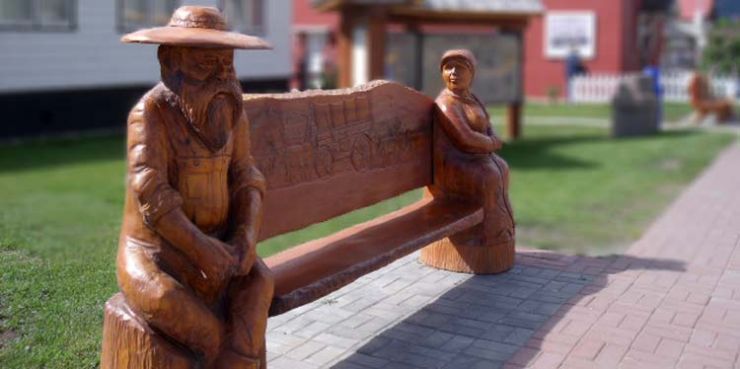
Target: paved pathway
[[672, 300]]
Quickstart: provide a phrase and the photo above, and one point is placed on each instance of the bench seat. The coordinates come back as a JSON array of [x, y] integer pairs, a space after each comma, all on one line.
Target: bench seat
[[310, 271]]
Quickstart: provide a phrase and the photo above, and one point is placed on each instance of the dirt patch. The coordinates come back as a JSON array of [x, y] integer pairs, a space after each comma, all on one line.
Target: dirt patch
[[670, 165], [6, 337]]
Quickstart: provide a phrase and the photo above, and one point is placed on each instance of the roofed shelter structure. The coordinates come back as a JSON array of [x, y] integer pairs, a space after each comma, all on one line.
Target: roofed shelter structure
[[363, 42]]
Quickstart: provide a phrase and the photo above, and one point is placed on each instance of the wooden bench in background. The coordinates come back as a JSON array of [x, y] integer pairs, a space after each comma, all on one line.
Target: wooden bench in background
[[704, 103]]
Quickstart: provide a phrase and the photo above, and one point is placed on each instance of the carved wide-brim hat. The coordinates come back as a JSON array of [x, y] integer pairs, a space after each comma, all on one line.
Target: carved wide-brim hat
[[196, 26]]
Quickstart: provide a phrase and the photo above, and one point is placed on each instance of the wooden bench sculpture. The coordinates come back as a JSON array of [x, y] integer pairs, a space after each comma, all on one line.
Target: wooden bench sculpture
[[704, 103], [327, 153], [194, 294]]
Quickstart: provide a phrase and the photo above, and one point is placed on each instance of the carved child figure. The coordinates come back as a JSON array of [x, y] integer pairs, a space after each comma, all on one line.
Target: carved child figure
[[187, 261], [468, 168]]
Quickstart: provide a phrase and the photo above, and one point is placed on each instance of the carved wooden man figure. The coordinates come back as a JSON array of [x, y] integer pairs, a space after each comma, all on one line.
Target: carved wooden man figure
[[187, 263]]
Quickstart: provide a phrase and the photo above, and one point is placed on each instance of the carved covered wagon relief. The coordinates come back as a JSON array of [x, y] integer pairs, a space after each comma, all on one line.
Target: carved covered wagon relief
[[354, 142], [318, 137]]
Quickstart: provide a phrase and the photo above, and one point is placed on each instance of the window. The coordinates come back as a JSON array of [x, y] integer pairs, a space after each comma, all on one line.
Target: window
[[137, 14], [245, 16], [41, 15]]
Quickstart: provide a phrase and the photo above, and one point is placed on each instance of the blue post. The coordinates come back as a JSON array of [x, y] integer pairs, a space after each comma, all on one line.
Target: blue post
[[653, 71]]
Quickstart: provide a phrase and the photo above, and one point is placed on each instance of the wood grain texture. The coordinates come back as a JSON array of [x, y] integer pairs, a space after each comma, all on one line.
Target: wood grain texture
[[457, 257], [466, 168], [325, 153], [310, 271], [129, 343], [196, 196], [187, 262]]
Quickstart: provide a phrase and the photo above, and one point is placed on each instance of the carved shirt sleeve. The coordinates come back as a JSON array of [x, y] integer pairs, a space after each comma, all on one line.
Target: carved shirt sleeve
[[147, 163], [244, 172], [455, 125]]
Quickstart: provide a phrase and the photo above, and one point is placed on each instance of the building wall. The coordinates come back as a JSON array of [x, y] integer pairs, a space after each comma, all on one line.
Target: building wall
[[306, 17], [615, 44], [629, 51], [91, 56]]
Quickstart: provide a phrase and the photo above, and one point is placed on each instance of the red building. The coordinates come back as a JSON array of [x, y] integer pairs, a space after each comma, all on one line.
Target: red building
[[313, 44], [613, 36], [627, 35]]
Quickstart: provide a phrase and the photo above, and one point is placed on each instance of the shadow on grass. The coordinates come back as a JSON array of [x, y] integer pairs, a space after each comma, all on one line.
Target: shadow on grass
[[48, 153], [540, 152], [488, 321]]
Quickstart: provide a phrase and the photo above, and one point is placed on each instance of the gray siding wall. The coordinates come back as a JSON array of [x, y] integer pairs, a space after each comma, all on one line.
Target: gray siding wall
[[92, 55]]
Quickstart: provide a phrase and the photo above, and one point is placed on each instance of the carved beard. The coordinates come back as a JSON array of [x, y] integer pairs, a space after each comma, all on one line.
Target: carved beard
[[211, 107]]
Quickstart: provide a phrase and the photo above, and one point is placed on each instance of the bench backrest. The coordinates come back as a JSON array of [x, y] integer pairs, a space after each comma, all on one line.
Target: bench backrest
[[325, 153]]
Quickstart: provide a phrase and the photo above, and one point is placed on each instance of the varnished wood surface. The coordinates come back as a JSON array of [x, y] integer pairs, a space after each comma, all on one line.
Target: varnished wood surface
[[201, 27], [476, 259], [129, 343], [196, 294], [467, 169], [307, 272], [325, 153]]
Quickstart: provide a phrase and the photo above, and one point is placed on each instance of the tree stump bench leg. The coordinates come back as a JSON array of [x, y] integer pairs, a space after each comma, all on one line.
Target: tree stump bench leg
[[466, 258], [129, 343]]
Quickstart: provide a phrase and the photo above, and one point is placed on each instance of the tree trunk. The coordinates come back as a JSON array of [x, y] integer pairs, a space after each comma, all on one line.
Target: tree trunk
[[129, 343]]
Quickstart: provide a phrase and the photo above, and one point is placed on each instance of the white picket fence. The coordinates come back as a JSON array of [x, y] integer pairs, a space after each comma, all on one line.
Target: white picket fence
[[600, 88]]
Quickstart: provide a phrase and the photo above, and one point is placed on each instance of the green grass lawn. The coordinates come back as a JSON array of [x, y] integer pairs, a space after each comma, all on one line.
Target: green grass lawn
[[671, 111], [573, 188]]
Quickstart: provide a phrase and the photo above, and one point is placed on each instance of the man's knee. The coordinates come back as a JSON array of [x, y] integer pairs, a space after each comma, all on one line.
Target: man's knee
[[167, 306], [189, 321], [158, 297], [253, 291]]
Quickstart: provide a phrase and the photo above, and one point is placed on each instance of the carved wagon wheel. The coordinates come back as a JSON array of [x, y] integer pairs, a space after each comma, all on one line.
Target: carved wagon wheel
[[361, 153], [324, 162]]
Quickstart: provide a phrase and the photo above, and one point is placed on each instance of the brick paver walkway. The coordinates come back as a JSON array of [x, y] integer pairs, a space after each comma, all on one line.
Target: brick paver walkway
[[672, 300]]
